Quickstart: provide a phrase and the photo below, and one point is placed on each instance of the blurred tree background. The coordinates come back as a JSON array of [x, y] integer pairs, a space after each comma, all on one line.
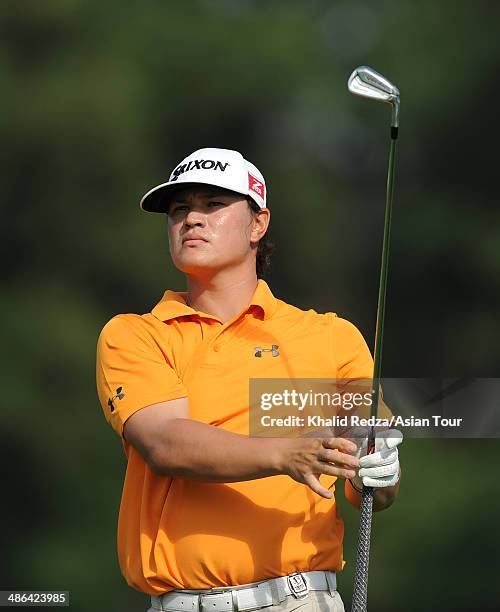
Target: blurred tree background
[[100, 100]]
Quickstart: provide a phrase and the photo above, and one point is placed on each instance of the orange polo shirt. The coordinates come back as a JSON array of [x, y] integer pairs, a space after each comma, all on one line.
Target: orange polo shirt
[[176, 533]]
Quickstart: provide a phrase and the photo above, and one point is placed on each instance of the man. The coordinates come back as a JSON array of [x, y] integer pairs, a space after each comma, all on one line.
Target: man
[[206, 507]]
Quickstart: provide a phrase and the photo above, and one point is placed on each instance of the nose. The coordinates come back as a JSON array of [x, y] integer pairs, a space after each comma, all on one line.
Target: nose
[[194, 218]]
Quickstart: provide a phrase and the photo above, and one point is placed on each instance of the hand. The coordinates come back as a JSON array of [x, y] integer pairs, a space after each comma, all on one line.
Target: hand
[[305, 459], [381, 468]]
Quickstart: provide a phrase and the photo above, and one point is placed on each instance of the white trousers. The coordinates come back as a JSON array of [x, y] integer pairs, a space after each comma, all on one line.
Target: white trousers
[[315, 601]]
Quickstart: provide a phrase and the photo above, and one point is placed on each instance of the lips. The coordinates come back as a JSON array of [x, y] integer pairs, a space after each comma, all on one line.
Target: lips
[[193, 238]]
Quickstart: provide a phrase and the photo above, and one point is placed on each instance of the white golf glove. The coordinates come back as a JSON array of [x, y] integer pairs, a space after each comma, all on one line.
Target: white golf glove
[[381, 468]]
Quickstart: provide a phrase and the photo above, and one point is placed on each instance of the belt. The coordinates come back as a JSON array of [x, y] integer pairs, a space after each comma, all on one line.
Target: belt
[[246, 596]]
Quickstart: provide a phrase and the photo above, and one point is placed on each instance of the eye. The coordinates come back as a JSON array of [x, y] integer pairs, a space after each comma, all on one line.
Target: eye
[[177, 208], [215, 203]]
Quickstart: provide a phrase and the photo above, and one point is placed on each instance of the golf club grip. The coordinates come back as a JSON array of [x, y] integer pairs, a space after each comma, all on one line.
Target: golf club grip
[[360, 593]]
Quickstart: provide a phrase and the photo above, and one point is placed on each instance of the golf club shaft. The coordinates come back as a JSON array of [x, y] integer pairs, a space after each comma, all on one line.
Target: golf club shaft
[[360, 593], [382, 290]]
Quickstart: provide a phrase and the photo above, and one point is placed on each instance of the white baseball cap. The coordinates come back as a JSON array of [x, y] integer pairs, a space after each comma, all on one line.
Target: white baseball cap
[[220, 167]]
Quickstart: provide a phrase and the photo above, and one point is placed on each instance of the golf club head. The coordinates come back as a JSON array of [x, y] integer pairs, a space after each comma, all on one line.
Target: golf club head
[[368, 83]]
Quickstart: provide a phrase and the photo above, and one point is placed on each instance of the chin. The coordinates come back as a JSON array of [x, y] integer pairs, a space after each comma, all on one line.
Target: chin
[[196, 266], [193, 265]]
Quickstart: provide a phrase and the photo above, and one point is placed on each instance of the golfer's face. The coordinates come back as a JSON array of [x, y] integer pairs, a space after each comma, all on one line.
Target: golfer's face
[[208, 229]]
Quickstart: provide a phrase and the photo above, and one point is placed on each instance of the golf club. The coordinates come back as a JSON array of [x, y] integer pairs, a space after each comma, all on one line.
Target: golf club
[[368, 83]]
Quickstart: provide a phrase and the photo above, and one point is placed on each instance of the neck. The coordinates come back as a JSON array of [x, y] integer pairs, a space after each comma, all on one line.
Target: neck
[[222, 296]]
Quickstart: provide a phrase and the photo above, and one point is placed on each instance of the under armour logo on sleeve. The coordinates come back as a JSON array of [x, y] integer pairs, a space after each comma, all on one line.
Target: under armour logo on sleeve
[[119, 395]]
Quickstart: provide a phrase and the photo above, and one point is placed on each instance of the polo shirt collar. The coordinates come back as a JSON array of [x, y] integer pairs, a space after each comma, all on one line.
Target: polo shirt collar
[[264, 299], [173, 304]]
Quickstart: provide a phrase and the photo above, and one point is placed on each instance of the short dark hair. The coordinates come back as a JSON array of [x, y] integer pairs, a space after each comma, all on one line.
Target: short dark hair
[[265, 248]]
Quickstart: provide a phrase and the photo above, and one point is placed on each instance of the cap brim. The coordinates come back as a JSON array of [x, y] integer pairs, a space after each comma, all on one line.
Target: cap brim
[[156, 200]]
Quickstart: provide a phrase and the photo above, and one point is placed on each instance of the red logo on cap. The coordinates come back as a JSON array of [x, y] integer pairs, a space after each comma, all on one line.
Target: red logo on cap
[[256, 185]]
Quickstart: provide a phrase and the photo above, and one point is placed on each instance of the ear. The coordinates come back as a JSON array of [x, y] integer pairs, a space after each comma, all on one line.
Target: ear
[[260, 224]]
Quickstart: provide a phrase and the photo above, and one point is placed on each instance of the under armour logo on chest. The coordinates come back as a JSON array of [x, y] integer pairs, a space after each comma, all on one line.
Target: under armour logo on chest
[[274, 350]]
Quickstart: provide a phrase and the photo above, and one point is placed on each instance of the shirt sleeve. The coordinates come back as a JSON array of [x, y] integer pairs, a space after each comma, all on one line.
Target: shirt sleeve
[[132, 371], [355, 364], [352, 355]]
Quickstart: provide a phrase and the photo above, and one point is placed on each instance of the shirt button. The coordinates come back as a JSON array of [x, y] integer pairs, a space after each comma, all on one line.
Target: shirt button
[[216, 348]]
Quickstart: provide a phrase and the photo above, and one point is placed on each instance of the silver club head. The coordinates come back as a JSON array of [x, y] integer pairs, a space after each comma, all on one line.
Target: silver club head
[[368, 83]]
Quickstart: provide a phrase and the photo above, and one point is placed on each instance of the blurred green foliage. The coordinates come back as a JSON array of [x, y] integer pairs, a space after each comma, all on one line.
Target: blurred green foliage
[[100, 101]]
